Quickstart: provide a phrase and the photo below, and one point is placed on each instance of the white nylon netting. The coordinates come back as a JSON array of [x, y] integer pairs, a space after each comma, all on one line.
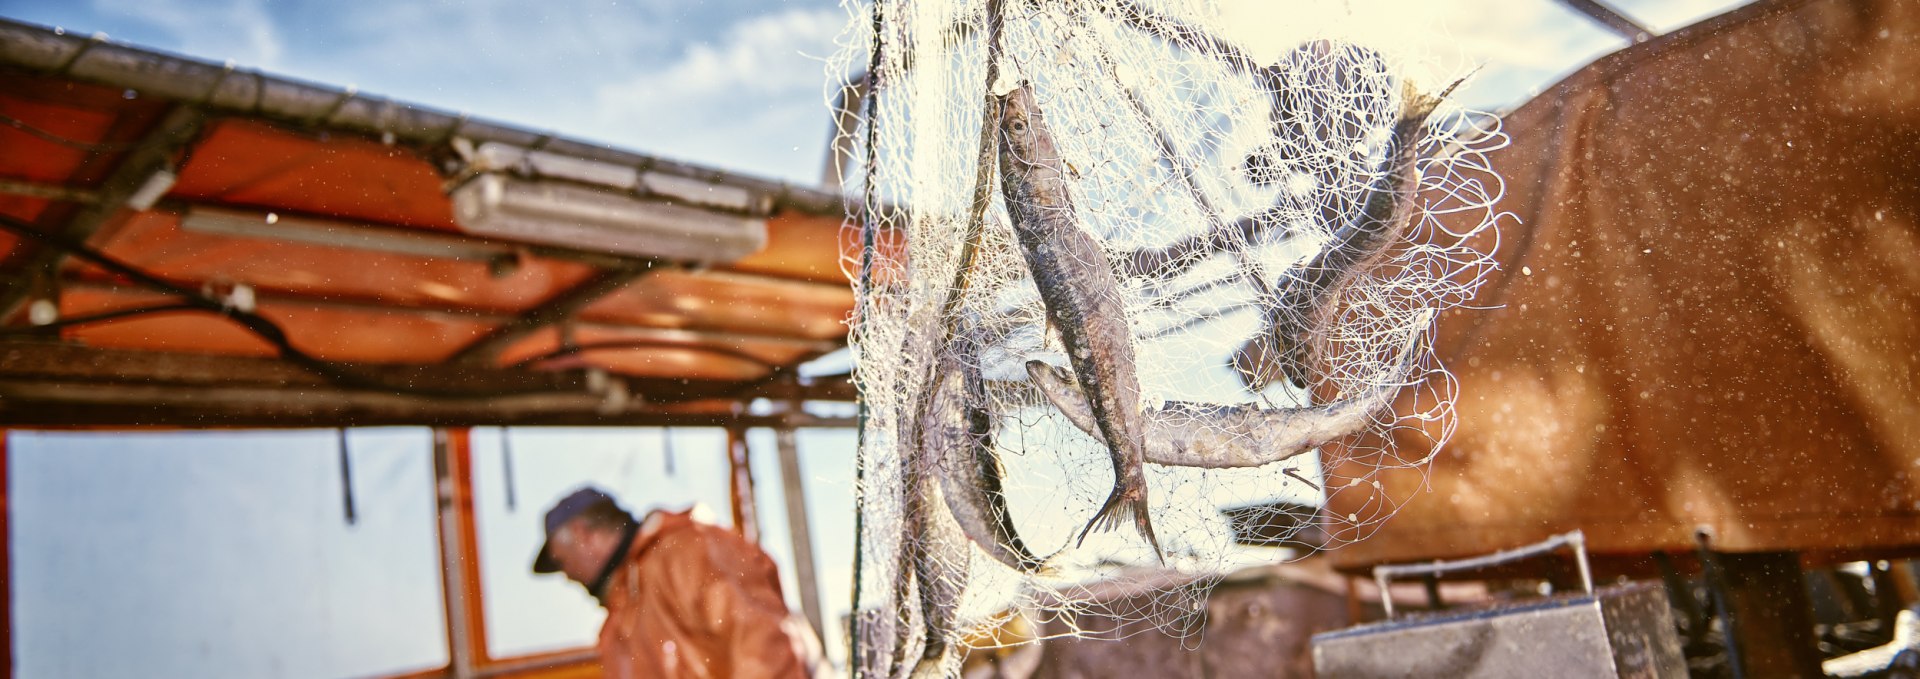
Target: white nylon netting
[[1270, 238]]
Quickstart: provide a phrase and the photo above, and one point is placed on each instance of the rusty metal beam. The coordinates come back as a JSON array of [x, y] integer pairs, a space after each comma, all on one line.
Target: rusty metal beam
[[1611, 18], [553, 311], [148, 165]]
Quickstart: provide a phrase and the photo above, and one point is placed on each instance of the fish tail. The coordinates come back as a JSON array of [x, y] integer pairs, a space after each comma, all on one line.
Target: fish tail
[[1125, 500], [1145, 526]]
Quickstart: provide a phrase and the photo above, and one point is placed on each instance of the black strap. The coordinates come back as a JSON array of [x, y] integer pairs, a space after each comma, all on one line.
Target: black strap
[[599, 586]]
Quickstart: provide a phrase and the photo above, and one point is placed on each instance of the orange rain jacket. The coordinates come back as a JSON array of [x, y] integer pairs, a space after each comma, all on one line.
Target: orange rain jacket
[[696, 600]]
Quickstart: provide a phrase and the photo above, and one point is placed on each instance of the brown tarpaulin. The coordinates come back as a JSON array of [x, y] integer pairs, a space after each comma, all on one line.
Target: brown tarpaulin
[[1707, 306]]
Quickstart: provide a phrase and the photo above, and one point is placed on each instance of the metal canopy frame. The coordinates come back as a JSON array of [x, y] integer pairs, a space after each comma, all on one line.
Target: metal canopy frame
[[144, 154], [48, 380]]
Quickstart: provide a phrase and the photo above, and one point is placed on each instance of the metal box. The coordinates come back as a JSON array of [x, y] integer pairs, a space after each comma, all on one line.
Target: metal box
[[1624, 631]]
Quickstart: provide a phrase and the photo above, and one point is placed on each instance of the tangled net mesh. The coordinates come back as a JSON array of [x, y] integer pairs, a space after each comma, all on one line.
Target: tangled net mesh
[[1231, 196]]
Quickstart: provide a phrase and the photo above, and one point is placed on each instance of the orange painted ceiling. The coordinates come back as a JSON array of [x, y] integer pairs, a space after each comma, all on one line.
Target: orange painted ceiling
[[783, 305]]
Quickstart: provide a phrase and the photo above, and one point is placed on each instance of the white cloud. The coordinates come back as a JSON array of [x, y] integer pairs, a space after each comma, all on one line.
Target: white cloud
[[761, 55], [1518, 46], [240, 30], [749, 100]]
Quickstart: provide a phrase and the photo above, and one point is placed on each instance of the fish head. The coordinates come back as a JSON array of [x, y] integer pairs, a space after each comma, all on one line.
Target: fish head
[[1021, 127]]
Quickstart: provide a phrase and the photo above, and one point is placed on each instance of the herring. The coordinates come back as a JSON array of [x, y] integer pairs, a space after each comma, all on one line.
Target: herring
[[1214, 436], [1306, 302], [958, 434], [1082, 298]]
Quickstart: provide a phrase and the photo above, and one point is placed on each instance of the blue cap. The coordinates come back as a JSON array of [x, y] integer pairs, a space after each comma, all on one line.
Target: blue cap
[[562, 512]]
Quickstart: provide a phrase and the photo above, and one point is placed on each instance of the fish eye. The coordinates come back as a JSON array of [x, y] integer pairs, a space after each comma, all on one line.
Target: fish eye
[[1018, 126]]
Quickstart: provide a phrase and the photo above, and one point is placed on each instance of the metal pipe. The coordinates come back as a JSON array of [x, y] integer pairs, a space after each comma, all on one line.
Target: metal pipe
[[1574, 540], [281, 225], [253, 93], [506, 465], [799, 528], [459, 551], [451, 486]]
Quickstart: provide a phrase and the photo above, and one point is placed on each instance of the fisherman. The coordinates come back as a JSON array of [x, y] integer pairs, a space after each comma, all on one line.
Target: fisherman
[[684, 598]]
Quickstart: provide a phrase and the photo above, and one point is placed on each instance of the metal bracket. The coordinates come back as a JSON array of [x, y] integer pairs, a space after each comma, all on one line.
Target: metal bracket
[[1575, 541]]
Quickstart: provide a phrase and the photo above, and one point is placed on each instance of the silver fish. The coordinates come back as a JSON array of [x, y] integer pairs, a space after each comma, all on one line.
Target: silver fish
[[939, 577], [1081, 295], [1306, 302], [931, 577], [1224, 436], [958, 436]]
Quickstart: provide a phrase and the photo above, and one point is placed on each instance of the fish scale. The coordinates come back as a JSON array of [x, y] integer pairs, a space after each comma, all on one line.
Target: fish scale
[[1082, 298]]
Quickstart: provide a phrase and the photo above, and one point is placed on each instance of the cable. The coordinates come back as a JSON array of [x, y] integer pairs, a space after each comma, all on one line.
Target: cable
[[506, 465], [259, 325], [346, 476], [68, 142]]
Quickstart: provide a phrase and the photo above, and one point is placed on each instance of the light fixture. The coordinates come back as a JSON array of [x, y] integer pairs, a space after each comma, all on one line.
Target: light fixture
[[150, 191], [539, 197]]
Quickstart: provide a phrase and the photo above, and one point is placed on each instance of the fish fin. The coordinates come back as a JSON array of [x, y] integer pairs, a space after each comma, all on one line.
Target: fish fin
[[1142, 523], [1116, 510]]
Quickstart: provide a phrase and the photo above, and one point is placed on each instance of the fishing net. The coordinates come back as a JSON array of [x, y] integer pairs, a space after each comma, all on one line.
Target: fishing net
[[1274, 224]]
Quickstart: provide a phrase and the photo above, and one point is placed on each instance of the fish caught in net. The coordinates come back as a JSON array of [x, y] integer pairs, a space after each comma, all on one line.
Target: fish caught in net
[[1117, 276]]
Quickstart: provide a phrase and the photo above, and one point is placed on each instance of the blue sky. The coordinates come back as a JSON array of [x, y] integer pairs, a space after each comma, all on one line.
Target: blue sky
[[224, 554], [227, 554], [734, 83]]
